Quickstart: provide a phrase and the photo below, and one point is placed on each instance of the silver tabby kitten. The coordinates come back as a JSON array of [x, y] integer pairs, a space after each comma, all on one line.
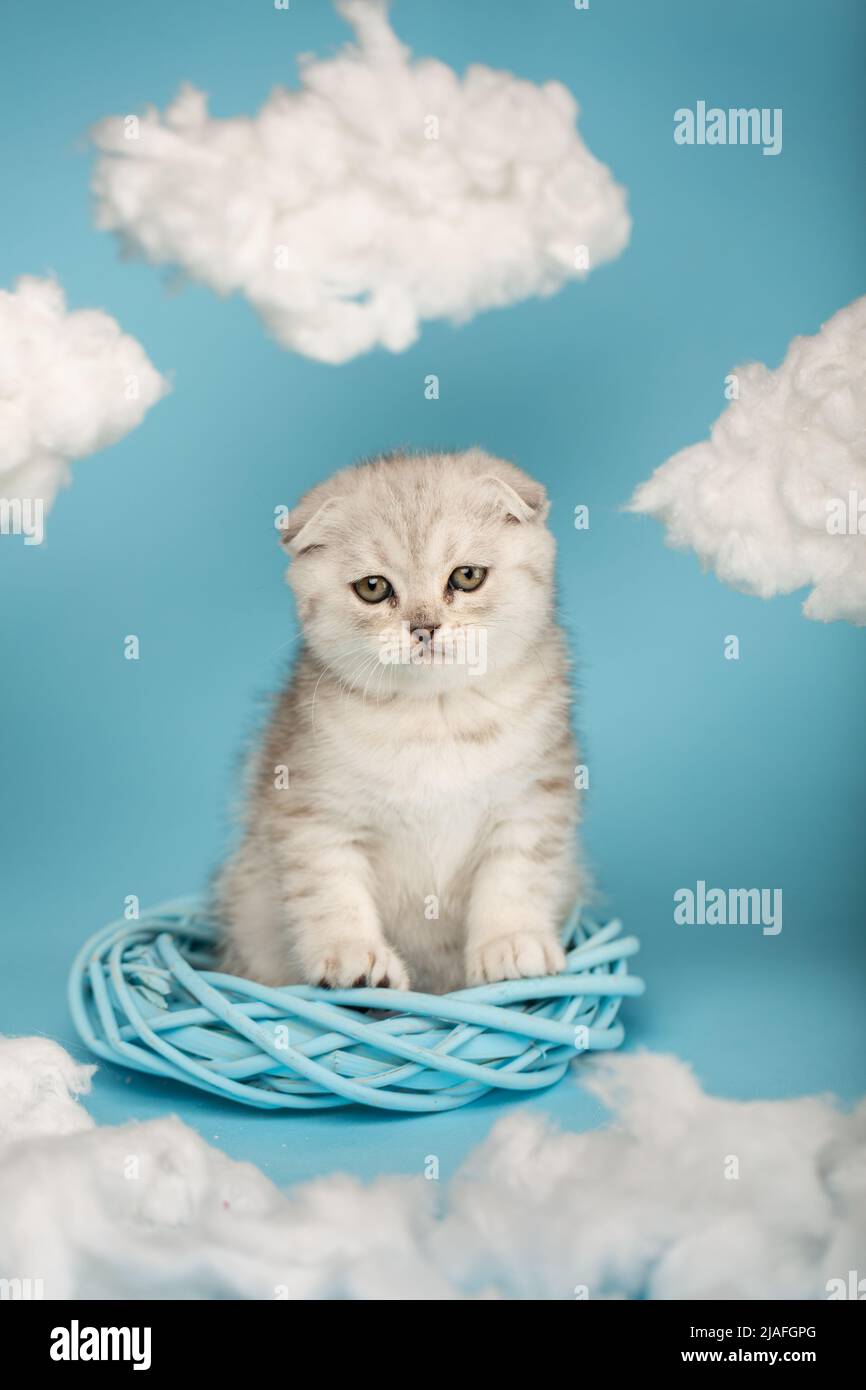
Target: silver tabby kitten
[[424, 833]]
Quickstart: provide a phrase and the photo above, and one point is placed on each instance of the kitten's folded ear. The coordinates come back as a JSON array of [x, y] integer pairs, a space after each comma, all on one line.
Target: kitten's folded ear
[[526, 502], [308, 525]]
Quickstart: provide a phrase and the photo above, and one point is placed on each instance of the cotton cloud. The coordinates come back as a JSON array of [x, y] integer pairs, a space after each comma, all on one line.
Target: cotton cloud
[[39, 1088], [382, 193], [776, 498], [70, 383], [682, 1196]]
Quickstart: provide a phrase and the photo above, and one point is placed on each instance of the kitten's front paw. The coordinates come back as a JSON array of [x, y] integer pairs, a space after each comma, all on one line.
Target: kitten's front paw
[[354, 964], [517, 956]]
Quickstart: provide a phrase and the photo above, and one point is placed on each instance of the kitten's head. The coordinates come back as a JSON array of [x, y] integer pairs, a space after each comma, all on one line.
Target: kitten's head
[[422, 573]]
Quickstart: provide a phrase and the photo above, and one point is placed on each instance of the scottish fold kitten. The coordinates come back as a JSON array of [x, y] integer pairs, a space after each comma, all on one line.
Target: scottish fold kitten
[[411, 814]]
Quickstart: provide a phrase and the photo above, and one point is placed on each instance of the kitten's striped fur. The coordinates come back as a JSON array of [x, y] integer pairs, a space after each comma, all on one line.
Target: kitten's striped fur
[[428, 831]]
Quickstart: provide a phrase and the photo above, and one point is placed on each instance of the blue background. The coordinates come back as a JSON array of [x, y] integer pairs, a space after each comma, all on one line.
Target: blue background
[[117, 776]]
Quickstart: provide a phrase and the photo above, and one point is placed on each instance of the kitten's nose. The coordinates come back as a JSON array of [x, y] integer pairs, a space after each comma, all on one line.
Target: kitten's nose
[[423, 632]]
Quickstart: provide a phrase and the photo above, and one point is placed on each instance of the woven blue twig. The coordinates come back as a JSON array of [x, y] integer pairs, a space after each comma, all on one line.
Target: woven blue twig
[[144, 994]]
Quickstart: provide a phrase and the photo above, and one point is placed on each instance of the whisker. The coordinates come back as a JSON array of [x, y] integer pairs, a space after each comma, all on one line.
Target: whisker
[[523, 638], [329, 666]]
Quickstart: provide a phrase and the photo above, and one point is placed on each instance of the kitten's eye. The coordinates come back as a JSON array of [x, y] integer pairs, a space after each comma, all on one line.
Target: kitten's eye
[[373, 589], [467, 577]]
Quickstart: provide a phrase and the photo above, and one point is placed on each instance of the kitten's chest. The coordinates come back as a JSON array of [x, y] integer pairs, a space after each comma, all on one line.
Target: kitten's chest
[[432, 768]]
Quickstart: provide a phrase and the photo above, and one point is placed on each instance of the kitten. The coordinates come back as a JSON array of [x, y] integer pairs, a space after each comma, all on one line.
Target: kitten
[[411, 814]]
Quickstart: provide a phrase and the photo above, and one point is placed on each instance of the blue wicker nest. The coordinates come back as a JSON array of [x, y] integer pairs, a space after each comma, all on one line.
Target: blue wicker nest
[[144, 994]]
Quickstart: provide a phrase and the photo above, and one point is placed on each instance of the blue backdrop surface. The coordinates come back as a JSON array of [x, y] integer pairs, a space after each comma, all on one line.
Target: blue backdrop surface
[[117, 776]]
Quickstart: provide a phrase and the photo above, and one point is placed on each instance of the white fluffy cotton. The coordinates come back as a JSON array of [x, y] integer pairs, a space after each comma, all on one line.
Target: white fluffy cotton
[[71, 382], [648, 1206], [337, 215], [776, 498], [39, 1088]]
